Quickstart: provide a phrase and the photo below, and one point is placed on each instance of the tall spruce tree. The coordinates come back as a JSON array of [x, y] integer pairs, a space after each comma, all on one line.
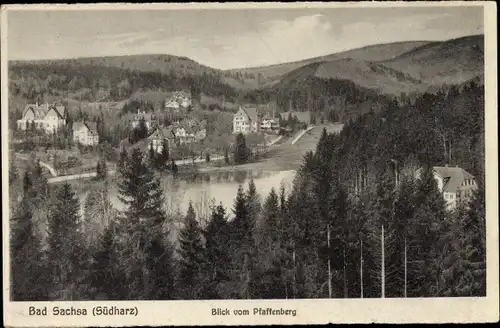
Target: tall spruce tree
[[65, 245], [241, 151], [27, 262], [425, 230], [107, 278], [191, 253], [217, 252], [146, 252]]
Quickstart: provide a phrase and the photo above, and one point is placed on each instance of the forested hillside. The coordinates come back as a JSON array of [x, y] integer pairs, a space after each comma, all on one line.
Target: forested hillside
[[346, 228], [92, 82]]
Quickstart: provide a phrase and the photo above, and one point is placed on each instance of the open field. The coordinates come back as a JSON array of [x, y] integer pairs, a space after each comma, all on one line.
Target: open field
[[285, 155]]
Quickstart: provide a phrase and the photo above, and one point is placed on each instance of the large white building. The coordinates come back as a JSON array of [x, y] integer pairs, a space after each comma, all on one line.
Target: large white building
[[455, 184], [179, 100], [47, 117], [246, 120], [85, 133]]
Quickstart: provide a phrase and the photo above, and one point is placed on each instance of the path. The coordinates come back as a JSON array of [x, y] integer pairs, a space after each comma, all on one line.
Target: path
[[57, 178], [49, 167], [297, 138], [111, 172]]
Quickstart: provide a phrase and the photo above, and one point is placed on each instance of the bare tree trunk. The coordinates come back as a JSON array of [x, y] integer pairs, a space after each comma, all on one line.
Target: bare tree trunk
[[382, 273], [361, 268]]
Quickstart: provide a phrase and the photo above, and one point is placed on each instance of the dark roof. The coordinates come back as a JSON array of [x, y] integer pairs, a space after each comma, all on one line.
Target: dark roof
[[92, 126], [252, 113], [42, 109], [301, 116], [453, 176]]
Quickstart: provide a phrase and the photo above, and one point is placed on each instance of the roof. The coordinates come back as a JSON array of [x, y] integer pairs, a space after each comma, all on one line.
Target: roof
[[301, 116], [163, 132], [452, 176], [91, 126], [41, 110], [252, 113], [145, 116]]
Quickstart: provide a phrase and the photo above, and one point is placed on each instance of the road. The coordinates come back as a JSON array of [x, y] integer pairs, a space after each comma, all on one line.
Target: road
[[181, 162], [49, 167], [56, 178]]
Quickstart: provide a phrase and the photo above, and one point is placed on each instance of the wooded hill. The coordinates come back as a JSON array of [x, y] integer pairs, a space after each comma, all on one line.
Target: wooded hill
[[353, 81]]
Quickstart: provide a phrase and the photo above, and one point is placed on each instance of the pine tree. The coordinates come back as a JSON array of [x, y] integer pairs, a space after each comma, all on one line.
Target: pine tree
[[271, 217], [101, 169], [165, 153], [27, 266], [107, 279], [381, 236], [147, 254], [253, 203], [425, 227], [191, 256], [404, 210], [217, 252], [65, 245], [123, 158], [282, 200], [174, 167], [241, 151]]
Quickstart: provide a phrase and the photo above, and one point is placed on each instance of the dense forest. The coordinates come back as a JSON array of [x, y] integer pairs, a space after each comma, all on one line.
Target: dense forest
[[346, 229], [98, 83]]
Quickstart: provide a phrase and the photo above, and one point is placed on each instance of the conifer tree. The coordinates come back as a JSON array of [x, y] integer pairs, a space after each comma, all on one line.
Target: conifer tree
[[254, 206], [107, 278], [27, 266], [425, 230], [65, 245], [282, 200], [271, 217], [217, 252], [147, 253], [241, 225], [152, 155], [241, 151], [191, 256], [381, 243], [123, 158]]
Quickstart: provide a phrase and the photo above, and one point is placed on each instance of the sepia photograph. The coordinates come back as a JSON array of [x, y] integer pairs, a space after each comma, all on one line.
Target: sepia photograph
[[217, 153]]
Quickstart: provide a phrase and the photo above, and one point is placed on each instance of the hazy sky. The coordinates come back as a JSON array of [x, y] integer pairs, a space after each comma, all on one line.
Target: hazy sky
[[229, 38]]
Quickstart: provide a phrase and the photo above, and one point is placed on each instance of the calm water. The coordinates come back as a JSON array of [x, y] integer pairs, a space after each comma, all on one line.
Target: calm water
[[213, 188]]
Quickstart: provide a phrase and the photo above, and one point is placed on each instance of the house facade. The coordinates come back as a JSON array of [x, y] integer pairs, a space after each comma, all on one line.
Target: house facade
[[246, 120], [46, 117], [455, 184], [85, 133], [160, 135], [270, 124], [149, 119], [179, 100]]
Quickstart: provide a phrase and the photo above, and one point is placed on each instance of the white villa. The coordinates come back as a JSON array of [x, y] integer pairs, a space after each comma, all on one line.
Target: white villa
[[456, 184], [179, 100], [246, 119], [85, 133], [48, 117]]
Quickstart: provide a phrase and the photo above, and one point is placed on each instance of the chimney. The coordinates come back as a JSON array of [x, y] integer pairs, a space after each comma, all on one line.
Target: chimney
[[37, 104]]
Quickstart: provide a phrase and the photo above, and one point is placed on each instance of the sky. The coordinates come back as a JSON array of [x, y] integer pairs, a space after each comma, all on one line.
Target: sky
[[229, 38]]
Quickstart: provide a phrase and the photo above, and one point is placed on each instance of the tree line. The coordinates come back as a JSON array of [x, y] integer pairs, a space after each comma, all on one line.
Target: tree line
[[356, 223]]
